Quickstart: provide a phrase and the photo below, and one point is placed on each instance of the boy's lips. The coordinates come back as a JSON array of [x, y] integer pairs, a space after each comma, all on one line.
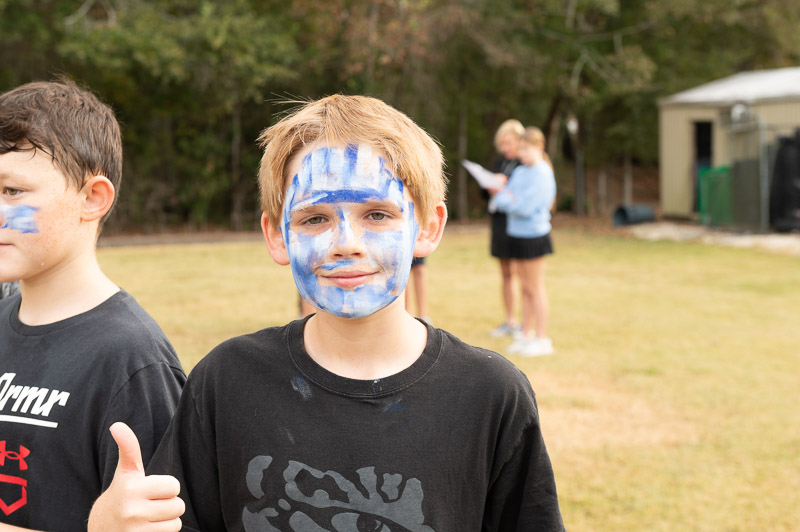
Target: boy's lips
[[348, 278]]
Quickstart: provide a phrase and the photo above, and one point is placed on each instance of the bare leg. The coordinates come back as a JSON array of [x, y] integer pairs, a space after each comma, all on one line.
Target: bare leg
[[541, 304], [535, 304], [507, 271], [526, 282]]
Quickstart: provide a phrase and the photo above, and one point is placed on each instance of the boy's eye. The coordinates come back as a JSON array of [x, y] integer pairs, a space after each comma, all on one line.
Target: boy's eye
[[314, 220], [11, 191], [377, 216]]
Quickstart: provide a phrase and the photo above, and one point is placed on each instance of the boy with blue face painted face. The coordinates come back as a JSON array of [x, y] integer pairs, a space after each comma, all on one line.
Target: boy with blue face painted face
[[341, 194], [358, 417]]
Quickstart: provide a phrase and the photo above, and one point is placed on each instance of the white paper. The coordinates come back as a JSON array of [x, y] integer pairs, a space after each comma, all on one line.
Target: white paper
[[484, 177]]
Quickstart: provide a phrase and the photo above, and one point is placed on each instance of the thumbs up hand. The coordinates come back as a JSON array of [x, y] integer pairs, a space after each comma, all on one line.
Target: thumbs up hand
[[134, 501]]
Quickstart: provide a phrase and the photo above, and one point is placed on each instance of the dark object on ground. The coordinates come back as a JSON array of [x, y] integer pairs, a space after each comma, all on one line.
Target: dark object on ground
[[784, 197], [633, 214]]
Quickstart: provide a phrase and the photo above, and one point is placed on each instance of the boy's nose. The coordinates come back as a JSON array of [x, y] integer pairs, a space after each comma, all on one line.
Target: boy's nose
[[346, 243]]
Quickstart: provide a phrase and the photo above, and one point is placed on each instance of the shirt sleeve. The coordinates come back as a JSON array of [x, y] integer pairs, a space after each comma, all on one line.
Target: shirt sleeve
[[187, 452], [146, 404], [523, 495], [518, 197]]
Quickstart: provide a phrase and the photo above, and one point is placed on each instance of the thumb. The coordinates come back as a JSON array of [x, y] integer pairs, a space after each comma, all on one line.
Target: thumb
[[130, 455]]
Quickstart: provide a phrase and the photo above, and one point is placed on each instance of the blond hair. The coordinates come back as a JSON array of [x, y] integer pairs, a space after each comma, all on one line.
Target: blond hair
[[413, 155], [534, 136], [509, 126]]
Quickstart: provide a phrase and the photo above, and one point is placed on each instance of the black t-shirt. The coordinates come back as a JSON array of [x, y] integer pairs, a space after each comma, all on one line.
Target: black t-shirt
[[61, 386], [505, 166], [8, 289], [265, 439]]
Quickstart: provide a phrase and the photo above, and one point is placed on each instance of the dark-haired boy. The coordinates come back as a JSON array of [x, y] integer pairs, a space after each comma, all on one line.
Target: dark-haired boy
[[76, 352], [359, 417]]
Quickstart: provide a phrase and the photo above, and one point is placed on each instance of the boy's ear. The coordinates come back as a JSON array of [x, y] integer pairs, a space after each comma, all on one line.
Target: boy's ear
[[277, 249], [99, 195], [431, 234]]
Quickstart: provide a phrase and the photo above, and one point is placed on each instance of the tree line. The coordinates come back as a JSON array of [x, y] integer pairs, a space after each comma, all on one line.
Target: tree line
[[194, 81]]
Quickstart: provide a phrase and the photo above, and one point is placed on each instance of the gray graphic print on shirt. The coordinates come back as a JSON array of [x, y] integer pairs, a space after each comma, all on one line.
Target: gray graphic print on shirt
[[328, 502]]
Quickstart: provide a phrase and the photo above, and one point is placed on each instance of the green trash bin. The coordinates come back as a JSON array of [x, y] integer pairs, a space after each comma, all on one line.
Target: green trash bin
[[715, 196]]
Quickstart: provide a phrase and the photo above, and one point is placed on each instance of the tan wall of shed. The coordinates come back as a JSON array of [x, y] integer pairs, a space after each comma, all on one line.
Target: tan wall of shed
[[676, 154], [781, 118]]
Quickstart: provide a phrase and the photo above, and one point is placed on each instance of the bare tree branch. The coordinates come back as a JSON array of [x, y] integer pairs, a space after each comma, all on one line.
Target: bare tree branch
[[80, 13]]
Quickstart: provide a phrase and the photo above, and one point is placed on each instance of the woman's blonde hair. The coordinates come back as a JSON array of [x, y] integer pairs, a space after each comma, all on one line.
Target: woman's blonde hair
[[509, 126], [344, 120]]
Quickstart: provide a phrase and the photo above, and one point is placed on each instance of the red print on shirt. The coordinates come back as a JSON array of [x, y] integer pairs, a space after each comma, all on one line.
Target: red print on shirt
[[22, 465]]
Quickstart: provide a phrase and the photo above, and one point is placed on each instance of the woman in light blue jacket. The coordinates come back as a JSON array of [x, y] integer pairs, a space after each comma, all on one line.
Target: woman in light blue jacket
[[527, 200]]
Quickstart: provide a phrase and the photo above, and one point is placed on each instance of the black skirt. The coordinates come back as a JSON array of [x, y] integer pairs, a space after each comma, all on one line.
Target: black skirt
[[500, 245], [530, 248]]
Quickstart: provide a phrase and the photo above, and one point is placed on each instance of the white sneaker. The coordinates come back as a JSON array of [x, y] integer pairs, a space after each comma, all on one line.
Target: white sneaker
[[519, 343], [536, 347]]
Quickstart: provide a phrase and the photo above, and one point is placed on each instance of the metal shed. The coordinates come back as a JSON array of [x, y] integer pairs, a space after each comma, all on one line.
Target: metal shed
[[719, 123]]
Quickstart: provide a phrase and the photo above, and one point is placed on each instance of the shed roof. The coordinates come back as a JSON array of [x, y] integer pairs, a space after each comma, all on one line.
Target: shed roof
[[748, 87]]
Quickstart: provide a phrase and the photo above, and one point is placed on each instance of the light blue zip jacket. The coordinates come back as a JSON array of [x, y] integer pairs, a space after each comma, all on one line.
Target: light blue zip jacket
[[527, 199]]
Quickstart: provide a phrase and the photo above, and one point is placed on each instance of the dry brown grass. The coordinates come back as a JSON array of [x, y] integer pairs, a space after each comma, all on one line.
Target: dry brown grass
[[672, 403]]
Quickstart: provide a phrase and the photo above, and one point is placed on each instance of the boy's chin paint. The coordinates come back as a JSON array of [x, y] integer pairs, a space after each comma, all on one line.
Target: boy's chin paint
[[352, 266], [18, 218]]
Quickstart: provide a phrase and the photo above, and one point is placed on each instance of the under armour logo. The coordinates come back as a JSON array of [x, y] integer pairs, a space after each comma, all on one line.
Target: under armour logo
[[19, 457], [11, 455]]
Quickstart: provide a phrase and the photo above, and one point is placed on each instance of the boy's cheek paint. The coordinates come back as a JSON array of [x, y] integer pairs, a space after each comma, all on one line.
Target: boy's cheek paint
[[20, 218], [390, 255]]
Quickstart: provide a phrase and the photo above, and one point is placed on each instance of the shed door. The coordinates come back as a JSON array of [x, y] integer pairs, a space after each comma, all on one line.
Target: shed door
[[703, 142]]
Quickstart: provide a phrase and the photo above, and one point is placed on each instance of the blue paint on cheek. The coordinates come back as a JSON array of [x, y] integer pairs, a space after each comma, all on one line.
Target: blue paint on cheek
[[303, 256], [20, 218]]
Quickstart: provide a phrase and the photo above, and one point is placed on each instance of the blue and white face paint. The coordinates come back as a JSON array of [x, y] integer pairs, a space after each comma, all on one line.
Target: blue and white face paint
[[19, 218], [349, 231]]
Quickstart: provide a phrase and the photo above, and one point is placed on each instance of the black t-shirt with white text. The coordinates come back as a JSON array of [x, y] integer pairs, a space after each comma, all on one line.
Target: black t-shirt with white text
[[61, 386], [265, 439]]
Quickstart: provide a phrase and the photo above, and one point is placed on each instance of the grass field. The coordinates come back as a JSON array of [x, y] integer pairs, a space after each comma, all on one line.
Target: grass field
[[672, 403]]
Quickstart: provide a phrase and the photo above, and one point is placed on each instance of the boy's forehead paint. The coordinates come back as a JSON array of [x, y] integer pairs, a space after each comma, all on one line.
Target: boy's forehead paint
[[341, 175], [316, 197], [19, 218], [329, 169]]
